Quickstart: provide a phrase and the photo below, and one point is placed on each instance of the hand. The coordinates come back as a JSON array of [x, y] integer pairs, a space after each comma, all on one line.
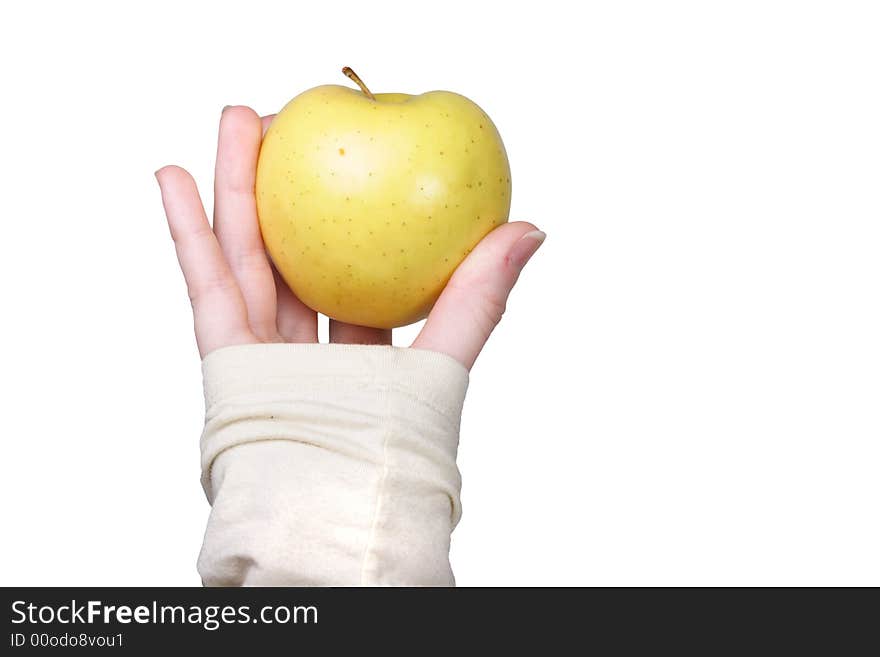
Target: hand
[[238, 297]]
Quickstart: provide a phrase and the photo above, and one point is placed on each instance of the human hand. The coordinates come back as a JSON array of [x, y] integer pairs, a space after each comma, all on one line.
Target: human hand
[[238, 297]]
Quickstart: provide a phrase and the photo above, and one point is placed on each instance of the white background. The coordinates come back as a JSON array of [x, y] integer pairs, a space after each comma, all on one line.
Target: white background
[[685, 387]]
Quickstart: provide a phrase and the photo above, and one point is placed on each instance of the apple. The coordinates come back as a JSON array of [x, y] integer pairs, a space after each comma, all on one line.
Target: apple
[[367, 203]]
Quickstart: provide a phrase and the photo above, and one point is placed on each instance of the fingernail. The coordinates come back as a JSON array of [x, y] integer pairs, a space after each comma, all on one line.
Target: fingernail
[[525, 247], [225, 107]]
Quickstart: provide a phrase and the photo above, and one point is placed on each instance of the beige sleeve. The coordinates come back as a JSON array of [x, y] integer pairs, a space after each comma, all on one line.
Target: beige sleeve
[[330, 465]]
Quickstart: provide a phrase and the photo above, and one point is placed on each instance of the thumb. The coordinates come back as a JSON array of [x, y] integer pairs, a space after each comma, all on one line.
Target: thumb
[[476, 296]]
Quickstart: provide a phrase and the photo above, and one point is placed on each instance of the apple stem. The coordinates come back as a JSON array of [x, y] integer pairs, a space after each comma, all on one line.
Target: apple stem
[[354, 76]]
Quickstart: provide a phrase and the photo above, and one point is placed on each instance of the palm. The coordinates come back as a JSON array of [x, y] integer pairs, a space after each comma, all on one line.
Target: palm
[[239, 298]]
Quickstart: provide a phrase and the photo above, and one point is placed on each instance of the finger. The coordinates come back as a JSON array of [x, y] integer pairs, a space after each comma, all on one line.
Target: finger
[[266, 121], [235, 216], [343, 333], [219, 311], [296, 321], [473, 301]]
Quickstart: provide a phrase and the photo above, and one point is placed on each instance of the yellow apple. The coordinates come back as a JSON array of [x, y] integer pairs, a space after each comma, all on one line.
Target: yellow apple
[[367, 203]]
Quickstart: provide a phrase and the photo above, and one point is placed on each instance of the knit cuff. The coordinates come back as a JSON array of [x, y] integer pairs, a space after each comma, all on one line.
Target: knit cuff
[[344, 397]]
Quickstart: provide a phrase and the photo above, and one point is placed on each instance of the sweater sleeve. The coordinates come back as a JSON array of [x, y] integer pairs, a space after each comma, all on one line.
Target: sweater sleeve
[[330, 465]]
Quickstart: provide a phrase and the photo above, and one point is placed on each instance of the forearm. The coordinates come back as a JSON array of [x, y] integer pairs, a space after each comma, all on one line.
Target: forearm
[[330, 465]]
